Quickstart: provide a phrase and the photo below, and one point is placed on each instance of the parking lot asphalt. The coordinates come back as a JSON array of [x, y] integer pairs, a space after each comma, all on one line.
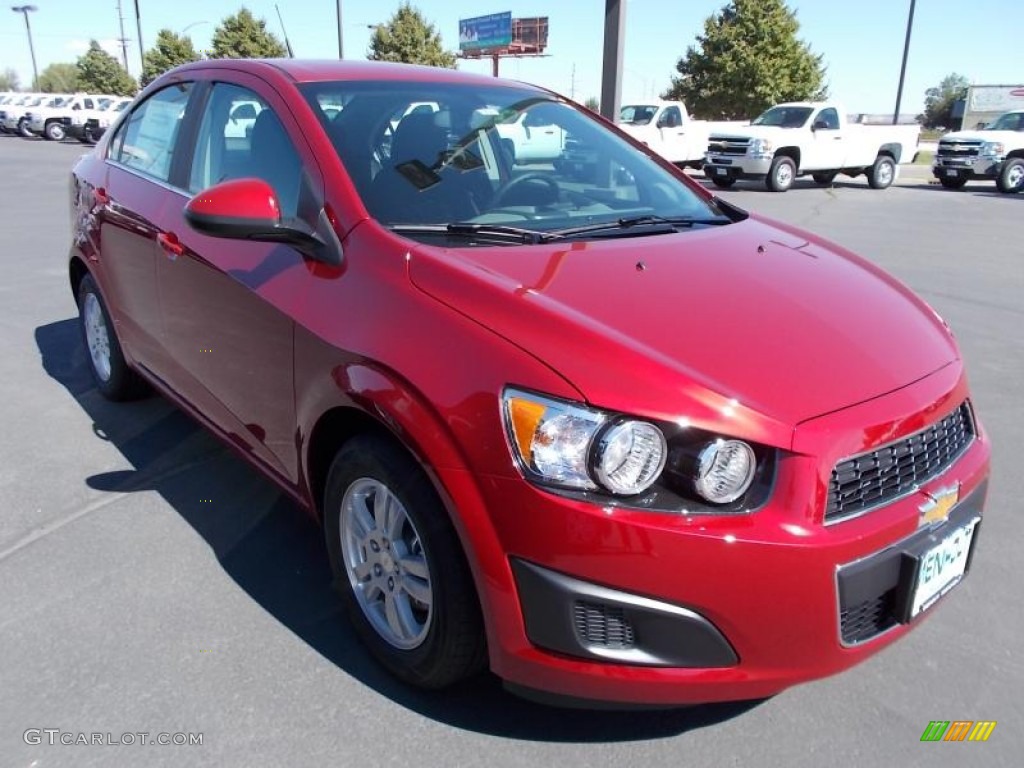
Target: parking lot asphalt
[[151, 582]]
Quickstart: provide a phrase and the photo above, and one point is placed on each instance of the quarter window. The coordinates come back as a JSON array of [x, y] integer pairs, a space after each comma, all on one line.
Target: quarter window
[[145, 141]]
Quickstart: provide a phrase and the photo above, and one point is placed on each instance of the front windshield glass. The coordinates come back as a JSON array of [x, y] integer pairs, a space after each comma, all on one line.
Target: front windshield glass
[[784, 117], [637, 114], [1011, 121], [491, 156]]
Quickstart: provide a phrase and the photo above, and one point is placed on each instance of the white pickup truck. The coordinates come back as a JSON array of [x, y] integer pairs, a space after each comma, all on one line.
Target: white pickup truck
[[994, 152], [809, 138], [52, 120], [667, 128]]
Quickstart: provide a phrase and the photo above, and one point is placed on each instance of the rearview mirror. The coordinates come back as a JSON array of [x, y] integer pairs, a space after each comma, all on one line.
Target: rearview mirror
[[248, 209]]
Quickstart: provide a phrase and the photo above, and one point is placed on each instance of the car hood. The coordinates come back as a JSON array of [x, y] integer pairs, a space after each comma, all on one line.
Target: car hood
[[755, 132], [753, 317], [1013, 137]]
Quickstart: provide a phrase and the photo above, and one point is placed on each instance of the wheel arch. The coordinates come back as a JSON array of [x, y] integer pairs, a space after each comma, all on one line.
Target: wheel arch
[[1015, 153], [77, 270], [893, 150], [792, 152]]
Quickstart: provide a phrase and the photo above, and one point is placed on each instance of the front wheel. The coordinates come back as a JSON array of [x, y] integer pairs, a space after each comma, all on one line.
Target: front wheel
[[883, 173], [952, 183], [781, 174], [1011, 177], [399, 567], [114, 379]]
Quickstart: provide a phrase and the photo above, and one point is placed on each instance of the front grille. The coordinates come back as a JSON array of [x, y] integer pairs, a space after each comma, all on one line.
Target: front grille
[[875, 478], [728, 147], [603, 625], [866, 619], [950, 149]]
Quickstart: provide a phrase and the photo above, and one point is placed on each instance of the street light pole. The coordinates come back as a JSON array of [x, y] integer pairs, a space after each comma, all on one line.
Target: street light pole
[[903, 68], [25, 10]]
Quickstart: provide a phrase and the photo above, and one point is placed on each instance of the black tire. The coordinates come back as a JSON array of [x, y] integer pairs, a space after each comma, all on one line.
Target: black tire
[[723, 182], [824, 178], [23, 129], [1011, 177], [120, 382], [54, 131], [957, 183], [451, 644], [882, 174], [781, 174]]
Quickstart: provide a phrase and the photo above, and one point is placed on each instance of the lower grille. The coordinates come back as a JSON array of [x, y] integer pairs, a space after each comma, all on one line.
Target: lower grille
[[877, 477], [866, 619], [602, 625]]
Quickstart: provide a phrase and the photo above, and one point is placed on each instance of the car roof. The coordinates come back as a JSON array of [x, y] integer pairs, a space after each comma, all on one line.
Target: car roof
[[327, 70]]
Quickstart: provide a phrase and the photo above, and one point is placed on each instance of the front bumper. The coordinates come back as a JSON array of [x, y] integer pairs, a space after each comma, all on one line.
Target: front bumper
[[979, 167], [721, 608], [737, 166]]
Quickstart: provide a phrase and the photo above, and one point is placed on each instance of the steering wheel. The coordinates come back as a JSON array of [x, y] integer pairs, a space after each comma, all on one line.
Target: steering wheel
[[526, 178]]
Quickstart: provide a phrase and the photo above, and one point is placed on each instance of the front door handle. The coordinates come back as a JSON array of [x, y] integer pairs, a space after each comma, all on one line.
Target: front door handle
[[170, 245]]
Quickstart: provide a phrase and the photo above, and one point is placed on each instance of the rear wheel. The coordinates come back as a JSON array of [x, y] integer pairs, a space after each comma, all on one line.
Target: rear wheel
[[781, 174], [399, 566], [114, 379], [54, 131], [23, 129], [949, 183], [1011, 178], [723, 182], [825, 178], [883, 173]]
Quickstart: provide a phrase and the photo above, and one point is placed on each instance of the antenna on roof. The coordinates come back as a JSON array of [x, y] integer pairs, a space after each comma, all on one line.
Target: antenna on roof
[[287, 43]]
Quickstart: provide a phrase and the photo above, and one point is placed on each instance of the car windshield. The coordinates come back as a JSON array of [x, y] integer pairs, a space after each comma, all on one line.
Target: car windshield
[[637, 114], [784, 117], [499, 162], [1011, 121]]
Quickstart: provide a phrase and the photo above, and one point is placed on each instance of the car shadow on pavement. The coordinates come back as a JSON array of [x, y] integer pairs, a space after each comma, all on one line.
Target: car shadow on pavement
[[274, 551]]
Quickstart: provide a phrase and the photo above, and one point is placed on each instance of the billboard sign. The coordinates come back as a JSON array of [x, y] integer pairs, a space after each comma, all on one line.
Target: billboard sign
[[483, 32], [995, 98]]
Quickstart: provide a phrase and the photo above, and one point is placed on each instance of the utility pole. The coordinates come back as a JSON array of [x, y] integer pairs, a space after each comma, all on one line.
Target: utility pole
[[611, 74], [25, 10], [341, 37], [123, 40], [572, 86], [903, 68], [138, 29]]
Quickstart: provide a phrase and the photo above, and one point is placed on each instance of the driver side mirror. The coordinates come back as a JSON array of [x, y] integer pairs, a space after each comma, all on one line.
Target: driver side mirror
[[248, 209], [820, 125]]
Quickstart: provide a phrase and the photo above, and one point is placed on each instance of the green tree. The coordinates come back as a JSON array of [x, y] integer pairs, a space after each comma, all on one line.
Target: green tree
[[9, 80], [99, 72], [61, 77], [748, 59], [409, 38], [169, 51], [592, 104], [938, 101], [243, 36]]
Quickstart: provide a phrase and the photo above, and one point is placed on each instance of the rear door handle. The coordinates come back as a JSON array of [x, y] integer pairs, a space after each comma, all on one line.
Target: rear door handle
[[170, 244]]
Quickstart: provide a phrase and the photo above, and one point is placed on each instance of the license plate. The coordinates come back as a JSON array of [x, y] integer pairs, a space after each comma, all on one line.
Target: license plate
[[952, 172], [942, 567]]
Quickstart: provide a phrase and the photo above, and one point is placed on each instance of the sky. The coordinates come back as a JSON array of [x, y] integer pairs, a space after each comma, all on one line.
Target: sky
[[862, 42]]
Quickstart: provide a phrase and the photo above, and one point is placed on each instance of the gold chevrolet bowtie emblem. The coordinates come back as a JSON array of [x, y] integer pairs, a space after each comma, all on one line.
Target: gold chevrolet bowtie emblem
[[940, 502]]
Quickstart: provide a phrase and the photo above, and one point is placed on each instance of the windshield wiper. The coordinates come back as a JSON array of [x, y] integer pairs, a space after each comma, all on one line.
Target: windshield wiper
[[625, 224], [470, 229]]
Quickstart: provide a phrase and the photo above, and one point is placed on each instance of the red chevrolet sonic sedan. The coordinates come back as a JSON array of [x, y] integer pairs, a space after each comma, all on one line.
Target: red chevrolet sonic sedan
[[558, 408]]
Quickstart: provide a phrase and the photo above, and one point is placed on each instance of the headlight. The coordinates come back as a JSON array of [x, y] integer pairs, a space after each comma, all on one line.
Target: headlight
[[569, 445], [992, 148], [725, 469], [759, 147]]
